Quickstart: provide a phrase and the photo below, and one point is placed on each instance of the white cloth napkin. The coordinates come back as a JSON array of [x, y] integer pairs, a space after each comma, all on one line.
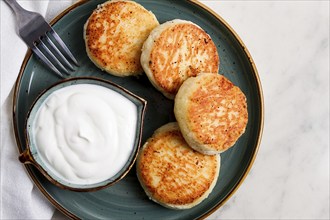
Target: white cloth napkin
[[20, 198]]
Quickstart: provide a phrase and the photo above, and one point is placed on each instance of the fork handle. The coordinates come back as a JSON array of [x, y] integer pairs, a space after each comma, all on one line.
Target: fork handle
[[23, 16], [14, 6]]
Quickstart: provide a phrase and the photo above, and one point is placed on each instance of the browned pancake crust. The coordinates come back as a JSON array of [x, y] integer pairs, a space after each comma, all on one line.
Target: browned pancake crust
[[114, 36], [172, 172], [179, 52], [217, 112]]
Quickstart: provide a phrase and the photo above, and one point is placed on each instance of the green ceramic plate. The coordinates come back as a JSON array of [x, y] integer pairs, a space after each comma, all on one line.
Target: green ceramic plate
[[126, 199]]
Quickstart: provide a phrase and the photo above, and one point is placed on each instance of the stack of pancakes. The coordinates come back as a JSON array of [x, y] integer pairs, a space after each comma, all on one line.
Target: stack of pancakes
[[179, 165]]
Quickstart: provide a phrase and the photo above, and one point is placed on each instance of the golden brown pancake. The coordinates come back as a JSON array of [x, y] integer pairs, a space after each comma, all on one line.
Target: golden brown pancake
[[173, 174], [114, 35], [211, 112], [176, 50]]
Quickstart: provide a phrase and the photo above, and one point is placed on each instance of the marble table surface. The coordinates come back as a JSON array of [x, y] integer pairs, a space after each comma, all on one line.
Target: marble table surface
[[289, 42]]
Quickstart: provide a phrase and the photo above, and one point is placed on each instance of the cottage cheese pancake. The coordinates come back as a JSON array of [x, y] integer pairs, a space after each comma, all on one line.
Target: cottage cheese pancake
[[211, 112], [176, 50], [114, 35], [173, 174]]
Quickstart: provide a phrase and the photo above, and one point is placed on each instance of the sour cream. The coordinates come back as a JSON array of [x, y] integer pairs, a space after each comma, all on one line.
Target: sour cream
[[85, 133]]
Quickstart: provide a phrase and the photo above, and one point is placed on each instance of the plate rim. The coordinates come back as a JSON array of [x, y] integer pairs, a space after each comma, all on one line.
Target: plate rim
[[255, 74]]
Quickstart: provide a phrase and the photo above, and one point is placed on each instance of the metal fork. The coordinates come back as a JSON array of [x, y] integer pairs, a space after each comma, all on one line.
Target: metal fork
[[43, 40]]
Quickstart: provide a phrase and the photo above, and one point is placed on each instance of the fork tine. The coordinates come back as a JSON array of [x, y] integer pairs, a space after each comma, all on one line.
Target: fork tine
[[49, 53], [64, 47], [46, 60], [58, 53]]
